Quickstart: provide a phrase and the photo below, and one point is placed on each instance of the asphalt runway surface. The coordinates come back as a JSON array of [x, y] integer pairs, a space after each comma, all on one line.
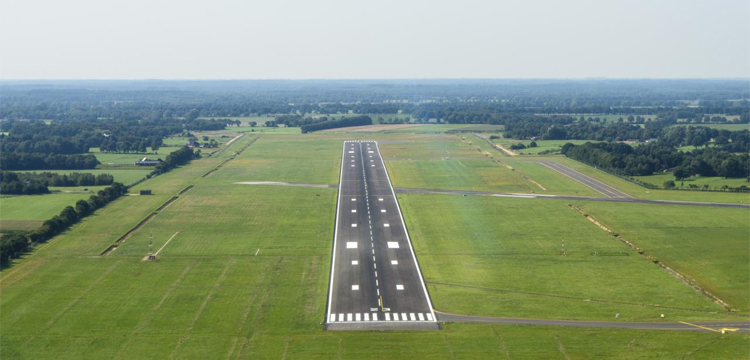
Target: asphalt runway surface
[[375, 278], [715, 326], [586, 180]]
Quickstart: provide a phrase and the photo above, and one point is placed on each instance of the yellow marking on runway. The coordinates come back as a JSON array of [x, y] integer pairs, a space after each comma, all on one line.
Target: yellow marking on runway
[[700, 327]]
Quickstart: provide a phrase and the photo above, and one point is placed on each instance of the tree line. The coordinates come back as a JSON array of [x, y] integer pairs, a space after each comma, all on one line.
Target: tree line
[[13, 244], [338, 123], [623, 159], [36, 161], [37, 183]]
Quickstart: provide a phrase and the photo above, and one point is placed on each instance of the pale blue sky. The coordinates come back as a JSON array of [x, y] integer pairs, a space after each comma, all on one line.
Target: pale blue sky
[[227, 39]]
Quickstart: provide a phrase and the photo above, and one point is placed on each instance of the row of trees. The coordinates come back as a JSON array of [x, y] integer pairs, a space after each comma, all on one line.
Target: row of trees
[[36, 183], [36, 161], [174, 159], [338, 123], [648, 159], [13, 244]]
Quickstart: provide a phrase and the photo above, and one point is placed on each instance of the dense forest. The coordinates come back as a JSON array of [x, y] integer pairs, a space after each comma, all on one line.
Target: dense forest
[[35, 161]]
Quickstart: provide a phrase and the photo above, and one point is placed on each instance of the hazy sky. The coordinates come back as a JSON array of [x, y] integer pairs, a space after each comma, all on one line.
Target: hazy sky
[[251, 39]]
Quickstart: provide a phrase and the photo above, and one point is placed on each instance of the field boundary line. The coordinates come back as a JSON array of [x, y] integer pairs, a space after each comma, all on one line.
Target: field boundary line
[[211, 293], [231, 158], [165, 244], [656, 261]]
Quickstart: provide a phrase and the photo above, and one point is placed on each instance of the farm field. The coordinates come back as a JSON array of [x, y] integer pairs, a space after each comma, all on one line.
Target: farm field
[[708, 245], [714, 182], [502, 257], [542, 145], [109, 159], [210, 296]]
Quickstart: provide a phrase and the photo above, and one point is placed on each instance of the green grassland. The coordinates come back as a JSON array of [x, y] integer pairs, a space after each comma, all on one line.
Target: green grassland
[[209, 296], [708, 245], [542, 145], [508, 251], [455, 163], [305, 159], [714, 182]]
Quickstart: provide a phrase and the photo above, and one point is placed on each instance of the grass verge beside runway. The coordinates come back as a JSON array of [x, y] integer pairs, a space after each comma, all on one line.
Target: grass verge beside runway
[[502, 257], [708, 245]]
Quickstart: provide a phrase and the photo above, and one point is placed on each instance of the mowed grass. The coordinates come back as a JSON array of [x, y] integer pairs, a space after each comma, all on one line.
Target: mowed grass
[[465, 162], [508, 252], [446, 162], [300, 158], [708, 245], [210, 297], [37, 207]]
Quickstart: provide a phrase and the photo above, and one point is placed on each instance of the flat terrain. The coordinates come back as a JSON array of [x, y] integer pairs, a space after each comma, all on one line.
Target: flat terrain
[[246, 275]]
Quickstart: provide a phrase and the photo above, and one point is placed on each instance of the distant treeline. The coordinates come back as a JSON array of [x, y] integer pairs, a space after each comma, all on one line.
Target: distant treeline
[[648, 159], [37, 183], [565, 128], [36, 161], [78, 136], [338, 123]]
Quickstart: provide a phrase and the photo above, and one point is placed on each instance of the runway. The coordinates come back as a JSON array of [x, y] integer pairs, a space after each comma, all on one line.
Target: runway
[[586, 180], [375, 279]]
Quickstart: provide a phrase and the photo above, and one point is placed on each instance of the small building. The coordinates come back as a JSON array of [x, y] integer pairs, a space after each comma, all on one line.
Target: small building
[[148, 162], [146, 192]]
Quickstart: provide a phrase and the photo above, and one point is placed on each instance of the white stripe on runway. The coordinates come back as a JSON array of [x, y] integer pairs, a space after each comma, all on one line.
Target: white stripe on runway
[[358, 317], [421, 317], [341, 317], [412, 317], [367, 316], [348, 317], [387, 317]]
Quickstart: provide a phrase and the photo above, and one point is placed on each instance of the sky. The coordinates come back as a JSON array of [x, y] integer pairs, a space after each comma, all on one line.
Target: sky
[[384, 39]]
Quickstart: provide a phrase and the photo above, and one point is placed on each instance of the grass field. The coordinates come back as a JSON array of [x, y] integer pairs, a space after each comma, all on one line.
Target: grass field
[[714, 182], [709, 245], [542, 145], [509, 251], [209, 296]]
